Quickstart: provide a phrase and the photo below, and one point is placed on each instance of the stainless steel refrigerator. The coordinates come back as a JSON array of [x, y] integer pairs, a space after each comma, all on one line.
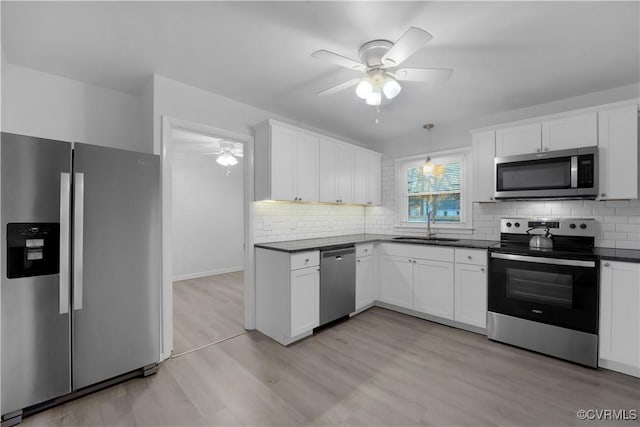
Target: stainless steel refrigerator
[[80, 267]]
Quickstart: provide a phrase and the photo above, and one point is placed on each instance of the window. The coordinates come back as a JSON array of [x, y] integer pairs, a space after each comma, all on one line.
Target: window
[[439, 193]]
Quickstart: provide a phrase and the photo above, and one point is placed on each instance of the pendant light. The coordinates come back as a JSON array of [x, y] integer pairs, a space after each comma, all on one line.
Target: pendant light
[[427, 166]]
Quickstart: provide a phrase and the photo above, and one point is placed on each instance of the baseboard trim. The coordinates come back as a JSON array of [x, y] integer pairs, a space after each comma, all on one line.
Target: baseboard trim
[[207, 273]]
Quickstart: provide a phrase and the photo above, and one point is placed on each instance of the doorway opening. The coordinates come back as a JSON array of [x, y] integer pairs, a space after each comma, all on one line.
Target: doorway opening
[[207, 238]]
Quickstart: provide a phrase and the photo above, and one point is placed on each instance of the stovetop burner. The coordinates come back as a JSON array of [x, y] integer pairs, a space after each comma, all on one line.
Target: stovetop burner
[[573, 238]]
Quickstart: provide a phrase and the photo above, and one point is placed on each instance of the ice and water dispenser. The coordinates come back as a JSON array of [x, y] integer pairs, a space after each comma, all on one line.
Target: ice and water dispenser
[[33, 249]]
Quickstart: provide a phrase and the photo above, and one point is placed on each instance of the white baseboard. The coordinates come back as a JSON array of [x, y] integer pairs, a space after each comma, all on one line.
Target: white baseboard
[[208, 273]]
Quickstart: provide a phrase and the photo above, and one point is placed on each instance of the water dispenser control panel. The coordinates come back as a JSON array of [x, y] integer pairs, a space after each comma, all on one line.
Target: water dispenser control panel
[[33, 249]]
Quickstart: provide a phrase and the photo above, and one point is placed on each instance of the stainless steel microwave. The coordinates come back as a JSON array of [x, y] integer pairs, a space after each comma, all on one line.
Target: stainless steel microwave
[[563, 174]]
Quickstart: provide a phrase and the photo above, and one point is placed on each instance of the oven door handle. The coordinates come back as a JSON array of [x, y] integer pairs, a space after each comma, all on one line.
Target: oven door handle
[[542, 260]]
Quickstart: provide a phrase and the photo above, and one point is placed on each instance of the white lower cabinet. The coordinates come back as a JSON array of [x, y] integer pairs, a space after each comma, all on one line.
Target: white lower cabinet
[[365, 278], [305, 300], [433, 288], [471, 294], [396, 280], [619, 335], [287, 294]]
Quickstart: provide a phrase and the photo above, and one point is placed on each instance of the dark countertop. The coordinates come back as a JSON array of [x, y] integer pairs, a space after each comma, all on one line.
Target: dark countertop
[[330, 242], [613, 254]]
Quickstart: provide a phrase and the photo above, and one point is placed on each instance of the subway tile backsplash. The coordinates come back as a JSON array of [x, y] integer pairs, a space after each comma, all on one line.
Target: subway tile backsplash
[[619, 221], [276, 221]]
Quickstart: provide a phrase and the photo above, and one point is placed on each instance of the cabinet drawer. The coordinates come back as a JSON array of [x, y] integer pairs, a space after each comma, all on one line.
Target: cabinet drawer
[[305, 259], [364, 249], [471, 256]]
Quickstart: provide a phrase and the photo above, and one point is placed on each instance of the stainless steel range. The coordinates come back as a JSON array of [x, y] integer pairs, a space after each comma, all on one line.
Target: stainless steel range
[[545, 297]]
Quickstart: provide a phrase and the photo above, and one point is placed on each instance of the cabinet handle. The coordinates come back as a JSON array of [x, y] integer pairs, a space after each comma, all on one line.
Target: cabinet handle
[[357, 260], [469, 257], [546, 148], [318, 269], [299, 199], [366, 250], [482, 269], [603, 194], [306, 260], [414, 261], [537, 150], [606, 264], [490, 198], [296, 199]]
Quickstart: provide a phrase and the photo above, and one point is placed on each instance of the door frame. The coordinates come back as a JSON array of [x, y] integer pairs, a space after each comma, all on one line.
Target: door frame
[[166, 153]]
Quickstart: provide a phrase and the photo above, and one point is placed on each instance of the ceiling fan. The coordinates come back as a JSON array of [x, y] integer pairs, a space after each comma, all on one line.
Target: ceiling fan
[[379, 58], [227, 153]]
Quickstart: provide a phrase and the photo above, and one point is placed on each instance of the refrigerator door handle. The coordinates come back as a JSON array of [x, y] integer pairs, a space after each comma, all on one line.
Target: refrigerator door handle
[[65, 206], [78, 233]]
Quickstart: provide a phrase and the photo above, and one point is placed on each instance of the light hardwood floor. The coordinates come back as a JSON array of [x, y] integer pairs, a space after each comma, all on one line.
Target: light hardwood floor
[[378, 368], [207, 309]]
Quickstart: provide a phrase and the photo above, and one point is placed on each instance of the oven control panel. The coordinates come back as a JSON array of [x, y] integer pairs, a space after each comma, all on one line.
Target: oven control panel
[[558, 226]]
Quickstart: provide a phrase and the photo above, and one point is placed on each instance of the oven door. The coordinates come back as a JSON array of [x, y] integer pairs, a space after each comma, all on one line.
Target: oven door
[[560, 292]]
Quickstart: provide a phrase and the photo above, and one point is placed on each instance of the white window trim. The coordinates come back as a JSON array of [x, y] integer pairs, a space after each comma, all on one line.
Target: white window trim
[[401, 164]]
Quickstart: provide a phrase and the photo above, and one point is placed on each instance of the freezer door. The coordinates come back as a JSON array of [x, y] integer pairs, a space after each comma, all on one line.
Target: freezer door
[[116, 262], [36, 364]]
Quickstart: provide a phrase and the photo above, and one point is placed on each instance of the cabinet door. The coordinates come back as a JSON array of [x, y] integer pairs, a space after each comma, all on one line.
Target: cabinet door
[[305, 300], [618, 153], [570, 132], [344, 179], [433, 288], [620, 313], [374, 179], [396, 281], [471, 295], [283, 163], [484, 150], [328, 171], [518, 140], [360, 176], [364, 281], [307, 167]]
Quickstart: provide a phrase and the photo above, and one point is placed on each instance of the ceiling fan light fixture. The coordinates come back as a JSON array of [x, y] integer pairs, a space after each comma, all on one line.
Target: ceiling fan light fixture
[[226, 159], [374, 98], [391, 87], [364, 88]]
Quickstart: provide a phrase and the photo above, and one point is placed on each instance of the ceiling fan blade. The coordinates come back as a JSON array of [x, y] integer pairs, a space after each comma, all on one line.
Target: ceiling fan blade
[[340, 60], [429, 75], [407, 45], [338, 88]]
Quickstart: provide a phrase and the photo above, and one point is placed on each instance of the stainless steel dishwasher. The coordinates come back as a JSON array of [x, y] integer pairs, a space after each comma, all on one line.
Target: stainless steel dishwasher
[[337, 283]]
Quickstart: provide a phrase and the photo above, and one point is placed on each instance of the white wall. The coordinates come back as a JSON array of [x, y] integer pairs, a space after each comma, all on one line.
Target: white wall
[[445, 136], [207, 219], [49, 106]]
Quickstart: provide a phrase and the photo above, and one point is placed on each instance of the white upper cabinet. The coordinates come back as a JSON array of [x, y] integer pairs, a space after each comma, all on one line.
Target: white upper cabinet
[[286, 163], [519, 140], [484, 150], [367, 177], [570, 132], [618, 153], [299, 165], [563, 133]]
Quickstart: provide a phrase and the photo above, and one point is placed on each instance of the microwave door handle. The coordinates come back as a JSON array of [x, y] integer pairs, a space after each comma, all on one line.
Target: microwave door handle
[[574, 171]]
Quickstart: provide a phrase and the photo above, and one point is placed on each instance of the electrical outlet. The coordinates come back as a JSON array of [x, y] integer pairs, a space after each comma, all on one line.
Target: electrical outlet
[[267, 226]]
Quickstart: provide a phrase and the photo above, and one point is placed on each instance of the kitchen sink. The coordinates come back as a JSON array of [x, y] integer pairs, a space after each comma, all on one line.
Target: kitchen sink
[[426, 239]]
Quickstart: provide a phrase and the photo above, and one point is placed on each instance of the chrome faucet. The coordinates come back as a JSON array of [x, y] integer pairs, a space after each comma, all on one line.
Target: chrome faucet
[[430, 217]]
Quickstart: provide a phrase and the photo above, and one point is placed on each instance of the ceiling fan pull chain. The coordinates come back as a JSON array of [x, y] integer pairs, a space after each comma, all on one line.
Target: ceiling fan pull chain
[[378, 115]]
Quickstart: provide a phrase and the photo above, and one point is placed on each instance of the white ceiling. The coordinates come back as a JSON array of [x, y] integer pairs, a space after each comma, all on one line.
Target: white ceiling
[[506, 55]]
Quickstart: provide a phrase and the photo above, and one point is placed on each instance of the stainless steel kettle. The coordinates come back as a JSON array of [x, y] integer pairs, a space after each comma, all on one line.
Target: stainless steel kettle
[[541, 241]]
